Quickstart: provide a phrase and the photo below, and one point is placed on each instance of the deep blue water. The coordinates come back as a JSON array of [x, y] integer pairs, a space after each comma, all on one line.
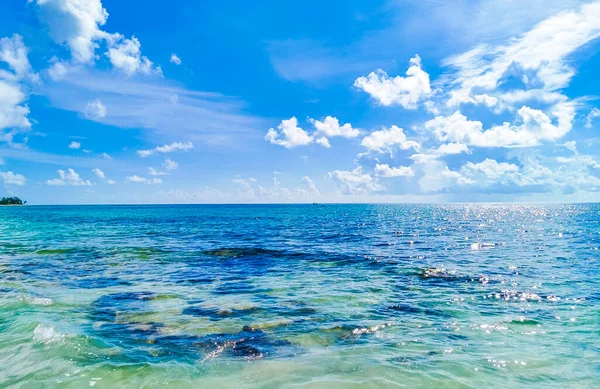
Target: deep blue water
[[462, 295]]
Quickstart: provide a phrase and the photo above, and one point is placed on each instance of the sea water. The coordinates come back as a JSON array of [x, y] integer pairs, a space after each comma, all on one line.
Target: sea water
[[300, 296]]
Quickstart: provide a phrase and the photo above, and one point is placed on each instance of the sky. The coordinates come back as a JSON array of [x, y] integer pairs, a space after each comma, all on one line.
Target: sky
[[122, 102]]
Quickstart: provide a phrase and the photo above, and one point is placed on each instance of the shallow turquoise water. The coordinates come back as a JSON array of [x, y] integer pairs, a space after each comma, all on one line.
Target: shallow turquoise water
[[300, 296]]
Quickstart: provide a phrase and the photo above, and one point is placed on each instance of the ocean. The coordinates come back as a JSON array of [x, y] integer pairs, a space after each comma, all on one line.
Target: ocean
[[300, 296]]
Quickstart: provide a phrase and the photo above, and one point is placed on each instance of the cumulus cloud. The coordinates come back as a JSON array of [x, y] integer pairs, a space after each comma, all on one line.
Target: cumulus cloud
[[99, 173], [384, 170], [452, 148], [406, 92], [14, 112], [14, 53], [75, 145], [102, 176], [125, 55], [355, 181], [95, 110], [70, 177], [330, 127], [532, 127], [436, 177], [175, 59], [323, 142], [421, 158], [289, 135], [387, 138], [77, 24], [490, 169], [170, 165], [11, 178], [175, 146], [138, 179]]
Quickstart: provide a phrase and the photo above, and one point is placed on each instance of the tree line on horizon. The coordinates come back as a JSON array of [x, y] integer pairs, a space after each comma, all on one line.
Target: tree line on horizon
[[12, 201]]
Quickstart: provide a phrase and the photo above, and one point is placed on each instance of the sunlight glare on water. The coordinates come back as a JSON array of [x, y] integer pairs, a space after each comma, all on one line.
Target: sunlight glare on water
[[300, 296]]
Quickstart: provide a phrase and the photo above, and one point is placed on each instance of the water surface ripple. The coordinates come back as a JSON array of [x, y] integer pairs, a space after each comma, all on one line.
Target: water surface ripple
[[300, 296]]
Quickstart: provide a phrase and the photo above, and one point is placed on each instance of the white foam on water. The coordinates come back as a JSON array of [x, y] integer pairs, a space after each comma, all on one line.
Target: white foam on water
[[47, 334], [37, 300]]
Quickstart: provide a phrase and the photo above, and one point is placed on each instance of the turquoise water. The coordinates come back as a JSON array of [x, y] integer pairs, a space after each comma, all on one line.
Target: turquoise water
[[300, 296]]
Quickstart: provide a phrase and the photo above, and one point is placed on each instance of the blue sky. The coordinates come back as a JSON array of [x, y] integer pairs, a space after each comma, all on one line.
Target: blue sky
[[339, 101]]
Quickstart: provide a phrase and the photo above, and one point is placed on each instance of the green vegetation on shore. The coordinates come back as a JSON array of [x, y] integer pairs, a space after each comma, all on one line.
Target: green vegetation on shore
[[12, 201]]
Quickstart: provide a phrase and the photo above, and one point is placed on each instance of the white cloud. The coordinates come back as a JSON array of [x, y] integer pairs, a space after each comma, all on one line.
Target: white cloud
[[95, 110], [452, 148], [312, 188], [323, 142], [533, 128], [99, 173], [175, 59], [70, 177], [11, 178], [571, 145], [75, 145], [170, 165], [125, 55], [355, 181], [578, 159], [245, 187], [537, 59], [14, 53], [14, 111], [492, 170], [58, 70], [175, 146], [330, 127], [290, 134], [581, 160], [456, 176], [153, 172], [75, 23], [384, 170], [387, 138], [404, 91], [147, 104], [423, 158], [105, 156], [102, 176], [594, 113], [442, 150], [436, 177], [136, 178]]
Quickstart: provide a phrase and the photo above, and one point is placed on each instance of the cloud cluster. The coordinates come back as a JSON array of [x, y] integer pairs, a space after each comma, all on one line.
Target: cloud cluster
[[69, 177], [14, 112], [291, 135], [406, 92], [78, 25], [11, 178], [175, 146], [517, 92], [137, 179]]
